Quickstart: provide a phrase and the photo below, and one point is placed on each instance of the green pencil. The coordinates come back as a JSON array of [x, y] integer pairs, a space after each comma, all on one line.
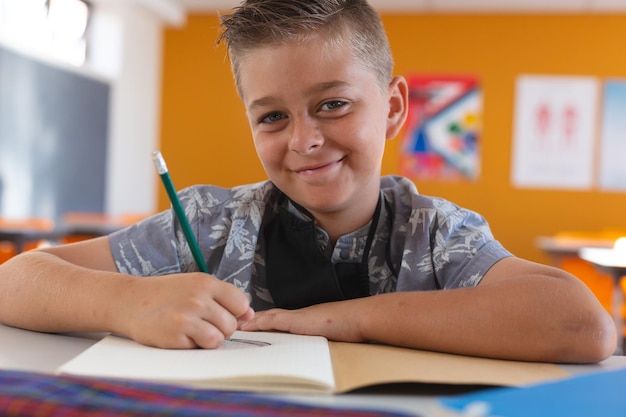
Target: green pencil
[[161, 168]]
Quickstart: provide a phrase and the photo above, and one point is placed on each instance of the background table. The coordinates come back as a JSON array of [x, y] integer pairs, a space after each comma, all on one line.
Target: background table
[[614, 263], [566, 252]]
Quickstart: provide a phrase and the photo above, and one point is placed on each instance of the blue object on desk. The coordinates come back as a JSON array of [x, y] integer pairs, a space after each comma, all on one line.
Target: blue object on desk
[[597, 394]]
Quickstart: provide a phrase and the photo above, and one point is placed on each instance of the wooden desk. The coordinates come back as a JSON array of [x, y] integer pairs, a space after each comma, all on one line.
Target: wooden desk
[[79, 226], [20, 237], [40, 352], [75, 226], [557, 246]]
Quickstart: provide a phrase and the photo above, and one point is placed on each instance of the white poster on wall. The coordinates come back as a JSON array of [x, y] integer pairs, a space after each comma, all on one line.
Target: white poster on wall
[[554, 130], [613, 144]]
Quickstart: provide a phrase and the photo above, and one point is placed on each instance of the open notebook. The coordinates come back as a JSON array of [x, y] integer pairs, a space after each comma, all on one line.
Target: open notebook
[[287, 363]]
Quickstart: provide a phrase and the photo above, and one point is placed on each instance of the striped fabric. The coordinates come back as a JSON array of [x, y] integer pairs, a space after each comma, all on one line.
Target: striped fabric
[[32, 394]]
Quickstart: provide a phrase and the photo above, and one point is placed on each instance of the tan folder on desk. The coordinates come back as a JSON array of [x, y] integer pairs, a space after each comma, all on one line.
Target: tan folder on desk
[[286, 363]]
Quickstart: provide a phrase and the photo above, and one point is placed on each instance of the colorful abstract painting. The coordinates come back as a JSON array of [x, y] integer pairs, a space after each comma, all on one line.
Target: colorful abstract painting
[[443, 129]]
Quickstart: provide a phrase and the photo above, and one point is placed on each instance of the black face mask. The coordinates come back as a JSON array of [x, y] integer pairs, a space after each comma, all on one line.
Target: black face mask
[[299, 274]]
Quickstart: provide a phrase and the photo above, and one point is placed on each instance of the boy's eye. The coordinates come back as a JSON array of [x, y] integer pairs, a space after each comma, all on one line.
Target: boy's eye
[[333, 105], [272, 117]]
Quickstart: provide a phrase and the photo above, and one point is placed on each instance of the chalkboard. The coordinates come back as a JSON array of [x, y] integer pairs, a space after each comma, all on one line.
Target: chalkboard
[[53, 138]]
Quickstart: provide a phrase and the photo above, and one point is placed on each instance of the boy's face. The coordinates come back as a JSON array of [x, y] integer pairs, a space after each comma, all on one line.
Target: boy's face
[[319, 122]]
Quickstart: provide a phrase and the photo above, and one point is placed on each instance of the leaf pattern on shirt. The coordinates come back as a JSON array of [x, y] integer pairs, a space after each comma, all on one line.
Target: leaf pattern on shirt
[[144, 265], [187, 261], [246, 203], [406, 255], [240, 240], [420, 217], [381, 279], [433, 243]]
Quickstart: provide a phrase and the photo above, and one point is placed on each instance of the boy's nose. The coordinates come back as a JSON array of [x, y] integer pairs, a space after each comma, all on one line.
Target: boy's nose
[[305, 136]]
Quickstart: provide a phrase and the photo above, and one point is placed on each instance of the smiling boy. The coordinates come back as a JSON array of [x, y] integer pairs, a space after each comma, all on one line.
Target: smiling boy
[[325, 246]]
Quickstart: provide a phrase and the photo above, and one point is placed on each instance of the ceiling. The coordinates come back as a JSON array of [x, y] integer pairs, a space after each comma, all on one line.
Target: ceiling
[[174, 12], [442, 6]]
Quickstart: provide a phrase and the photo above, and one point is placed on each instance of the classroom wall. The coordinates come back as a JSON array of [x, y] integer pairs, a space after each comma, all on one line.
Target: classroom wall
[[44, 144], [128, 46], [205, 136], [125, 51]]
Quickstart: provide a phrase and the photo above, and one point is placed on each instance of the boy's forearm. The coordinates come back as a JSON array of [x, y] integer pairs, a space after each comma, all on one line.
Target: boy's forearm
[[526, 317], [66, 291], [547, 320], [41, 292]]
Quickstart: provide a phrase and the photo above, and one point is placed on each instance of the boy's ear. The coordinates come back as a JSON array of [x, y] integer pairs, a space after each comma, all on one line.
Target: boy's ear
[[398, 106]]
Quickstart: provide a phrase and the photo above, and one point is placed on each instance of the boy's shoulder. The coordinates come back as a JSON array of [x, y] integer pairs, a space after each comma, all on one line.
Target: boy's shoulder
[[405, 197], [213, 195], [397, 184]]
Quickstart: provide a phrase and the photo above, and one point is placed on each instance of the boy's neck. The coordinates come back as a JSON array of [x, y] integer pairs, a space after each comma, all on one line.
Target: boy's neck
[[340, 221], [337, 224]]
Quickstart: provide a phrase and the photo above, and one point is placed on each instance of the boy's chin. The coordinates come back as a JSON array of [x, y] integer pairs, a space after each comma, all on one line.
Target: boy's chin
[[326, 204]]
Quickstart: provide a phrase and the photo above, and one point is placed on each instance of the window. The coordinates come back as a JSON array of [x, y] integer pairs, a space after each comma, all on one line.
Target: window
[[52, 27]]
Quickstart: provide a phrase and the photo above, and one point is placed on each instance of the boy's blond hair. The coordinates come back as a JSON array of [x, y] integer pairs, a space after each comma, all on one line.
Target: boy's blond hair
[[353, 23]]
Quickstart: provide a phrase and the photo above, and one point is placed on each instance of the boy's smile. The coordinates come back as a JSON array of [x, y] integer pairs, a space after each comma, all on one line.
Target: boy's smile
[[319, 121], [317, 169]]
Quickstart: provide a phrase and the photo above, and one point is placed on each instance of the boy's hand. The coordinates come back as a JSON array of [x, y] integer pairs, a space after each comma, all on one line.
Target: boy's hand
[[181, 311], [337, 321]]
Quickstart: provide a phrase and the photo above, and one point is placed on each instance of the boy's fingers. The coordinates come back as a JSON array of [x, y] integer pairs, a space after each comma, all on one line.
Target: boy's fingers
[[210, 335], [215, 314], [274, 319], [233, 300], [207, 336], [247, 316]]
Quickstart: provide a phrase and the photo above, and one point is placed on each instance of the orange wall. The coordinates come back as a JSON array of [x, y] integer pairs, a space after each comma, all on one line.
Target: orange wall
[[205, 135]]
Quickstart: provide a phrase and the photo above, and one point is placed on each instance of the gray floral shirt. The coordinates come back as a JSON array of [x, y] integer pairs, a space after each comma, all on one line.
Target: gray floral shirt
[[421, 243]]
